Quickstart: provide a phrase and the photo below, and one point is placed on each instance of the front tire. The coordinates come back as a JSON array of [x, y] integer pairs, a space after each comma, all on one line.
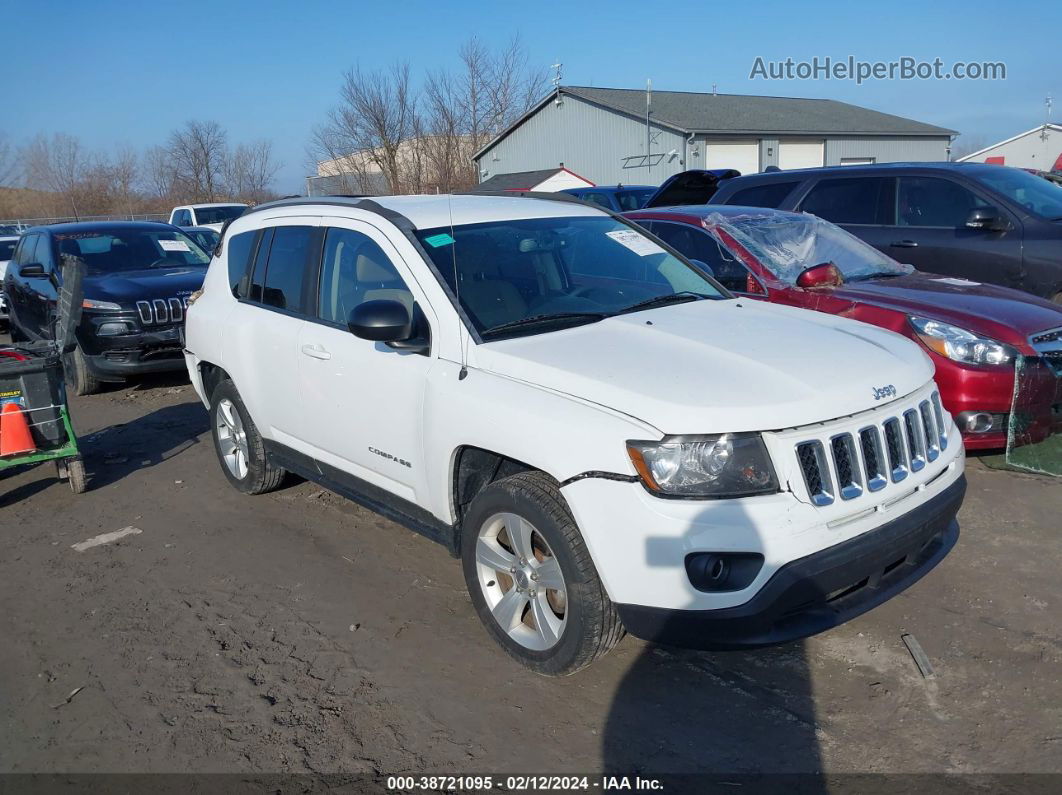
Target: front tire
[[79, 378], [531, 578], [241, 451]]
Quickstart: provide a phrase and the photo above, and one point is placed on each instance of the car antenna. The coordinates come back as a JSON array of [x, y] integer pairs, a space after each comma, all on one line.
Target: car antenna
[[463, 372]]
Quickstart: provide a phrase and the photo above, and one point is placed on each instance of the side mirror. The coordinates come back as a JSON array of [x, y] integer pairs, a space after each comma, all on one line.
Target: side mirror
[[825, 274], [381, 321], [987, 218], [32, 270], [704, 266]]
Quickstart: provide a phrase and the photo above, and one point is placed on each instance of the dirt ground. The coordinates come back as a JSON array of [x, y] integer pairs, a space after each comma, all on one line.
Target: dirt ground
[[298, 632]]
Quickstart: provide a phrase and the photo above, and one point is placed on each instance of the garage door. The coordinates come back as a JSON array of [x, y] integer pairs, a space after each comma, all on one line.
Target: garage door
[[800, 154], [745, 157]]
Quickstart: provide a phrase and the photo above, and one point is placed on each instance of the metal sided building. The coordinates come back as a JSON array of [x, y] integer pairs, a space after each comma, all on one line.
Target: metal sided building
[[607, 136], [1039, 148]]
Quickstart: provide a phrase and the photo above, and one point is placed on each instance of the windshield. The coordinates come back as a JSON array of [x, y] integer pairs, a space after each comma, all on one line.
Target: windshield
[[634, 198], [1030, 191], [7, 248], [206, 238], [217, 215], [132, 250], [575, 268], [788, 244]]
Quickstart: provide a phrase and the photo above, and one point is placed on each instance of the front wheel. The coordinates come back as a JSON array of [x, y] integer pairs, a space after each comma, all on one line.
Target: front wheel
[[531, 578], [238, 444], [79, 378]]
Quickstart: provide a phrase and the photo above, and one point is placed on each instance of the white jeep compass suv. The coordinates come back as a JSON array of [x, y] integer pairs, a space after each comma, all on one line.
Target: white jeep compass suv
[[609, 440]]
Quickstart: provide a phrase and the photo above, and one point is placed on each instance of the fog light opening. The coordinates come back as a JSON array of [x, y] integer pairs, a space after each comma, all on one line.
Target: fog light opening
[[981, 422], [722, 571]]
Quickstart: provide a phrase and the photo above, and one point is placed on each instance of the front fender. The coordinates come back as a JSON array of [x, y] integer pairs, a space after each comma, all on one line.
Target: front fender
[[557, 434]]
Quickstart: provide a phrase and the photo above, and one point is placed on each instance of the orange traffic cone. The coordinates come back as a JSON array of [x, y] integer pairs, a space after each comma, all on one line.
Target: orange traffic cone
[[15, 436]]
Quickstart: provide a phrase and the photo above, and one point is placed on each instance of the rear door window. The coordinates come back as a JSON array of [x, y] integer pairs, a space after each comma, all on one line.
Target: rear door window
[[855, 200], [934, 201], [770, 195], [239, 252], [286, 269]]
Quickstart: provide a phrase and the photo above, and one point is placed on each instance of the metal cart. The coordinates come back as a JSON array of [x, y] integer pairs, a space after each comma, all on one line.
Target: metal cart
[[38, 428]]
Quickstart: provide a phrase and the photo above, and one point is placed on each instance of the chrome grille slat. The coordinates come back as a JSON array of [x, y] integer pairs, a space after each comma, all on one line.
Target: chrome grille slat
[[816, 472], [916, 442], [873, 458], [848, 465]]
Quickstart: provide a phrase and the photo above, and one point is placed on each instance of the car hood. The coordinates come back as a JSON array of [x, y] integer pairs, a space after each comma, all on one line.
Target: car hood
[[128, 287], [717, 366], [998, 312]]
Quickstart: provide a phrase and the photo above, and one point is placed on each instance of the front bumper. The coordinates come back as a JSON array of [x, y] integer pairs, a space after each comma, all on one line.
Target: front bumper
[[819, 591], [114, 358]]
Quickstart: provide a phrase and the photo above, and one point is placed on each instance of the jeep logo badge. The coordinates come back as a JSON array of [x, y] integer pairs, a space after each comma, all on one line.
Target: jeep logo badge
[[886, 391]]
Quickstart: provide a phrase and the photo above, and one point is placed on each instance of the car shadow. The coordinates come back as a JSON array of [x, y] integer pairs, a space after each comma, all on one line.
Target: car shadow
[[701, 720], [118, 450]]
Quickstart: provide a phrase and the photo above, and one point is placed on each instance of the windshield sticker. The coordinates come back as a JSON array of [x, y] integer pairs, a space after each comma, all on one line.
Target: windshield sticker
[[441, 239], [959, 282], [636, 242], [174, 245]]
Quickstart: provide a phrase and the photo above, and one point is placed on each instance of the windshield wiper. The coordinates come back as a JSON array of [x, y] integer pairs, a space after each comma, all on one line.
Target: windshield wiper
[[663, 300], [560, 318], [865, 277]]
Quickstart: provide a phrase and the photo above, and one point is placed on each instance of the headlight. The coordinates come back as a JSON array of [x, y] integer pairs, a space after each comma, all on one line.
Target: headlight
[[959, 344], [723, 465], [88, 303]]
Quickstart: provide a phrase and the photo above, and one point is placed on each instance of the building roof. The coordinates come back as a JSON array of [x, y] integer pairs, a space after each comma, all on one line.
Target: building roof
[[1037, 129], [522, 180], [693, 112]]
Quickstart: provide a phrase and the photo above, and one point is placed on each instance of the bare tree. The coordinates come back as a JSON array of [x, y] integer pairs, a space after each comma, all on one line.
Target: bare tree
[[250, 169], [377, 114], [967, 144], [198, 152], [57, 164], [160, 175], [8, 163]]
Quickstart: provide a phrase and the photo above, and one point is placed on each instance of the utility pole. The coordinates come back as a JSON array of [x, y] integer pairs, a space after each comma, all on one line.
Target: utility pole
[[648, 129]]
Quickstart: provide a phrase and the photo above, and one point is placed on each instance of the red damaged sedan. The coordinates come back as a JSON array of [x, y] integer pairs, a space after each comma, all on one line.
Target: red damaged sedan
[[978, 335]]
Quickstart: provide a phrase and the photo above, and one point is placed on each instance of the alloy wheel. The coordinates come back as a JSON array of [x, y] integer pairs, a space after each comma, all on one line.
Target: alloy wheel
[[521, 581]]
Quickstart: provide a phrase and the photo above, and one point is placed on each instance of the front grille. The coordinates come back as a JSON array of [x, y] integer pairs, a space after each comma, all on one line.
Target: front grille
[[161, 311], [1048, 344], [880, 452]]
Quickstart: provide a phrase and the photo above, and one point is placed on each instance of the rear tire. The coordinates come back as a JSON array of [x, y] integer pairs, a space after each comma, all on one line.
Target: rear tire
[[79, 379], [515, 577], [75, 471], [241, 451]]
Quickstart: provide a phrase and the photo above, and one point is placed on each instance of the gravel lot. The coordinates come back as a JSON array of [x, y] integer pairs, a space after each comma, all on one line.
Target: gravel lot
[[299, 632]]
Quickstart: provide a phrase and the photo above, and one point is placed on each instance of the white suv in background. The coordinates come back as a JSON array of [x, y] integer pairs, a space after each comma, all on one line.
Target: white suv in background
[[212, 216], [608, 439]]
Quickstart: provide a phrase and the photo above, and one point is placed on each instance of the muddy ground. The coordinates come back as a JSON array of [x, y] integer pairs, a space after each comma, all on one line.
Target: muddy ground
[[297, 632]]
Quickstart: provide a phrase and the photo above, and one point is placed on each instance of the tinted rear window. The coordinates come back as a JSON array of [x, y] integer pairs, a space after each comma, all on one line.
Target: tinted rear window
[[859, 200], [239, 252], [287, 265], [7, 249], [770, 195]]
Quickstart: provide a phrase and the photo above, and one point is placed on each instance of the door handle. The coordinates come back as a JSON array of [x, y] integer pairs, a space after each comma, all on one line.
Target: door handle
[[316, 352], [904, 244]]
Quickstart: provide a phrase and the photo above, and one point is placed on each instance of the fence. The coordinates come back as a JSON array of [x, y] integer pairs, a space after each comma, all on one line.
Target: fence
[[23, 223]]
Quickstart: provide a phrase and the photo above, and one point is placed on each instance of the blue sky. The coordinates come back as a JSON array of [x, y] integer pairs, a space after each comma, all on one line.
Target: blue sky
[[116, 72]]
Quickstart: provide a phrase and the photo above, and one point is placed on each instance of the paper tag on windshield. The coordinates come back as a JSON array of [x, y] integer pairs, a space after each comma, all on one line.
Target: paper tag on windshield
[[959, 282], [638, 243], [174, 245]]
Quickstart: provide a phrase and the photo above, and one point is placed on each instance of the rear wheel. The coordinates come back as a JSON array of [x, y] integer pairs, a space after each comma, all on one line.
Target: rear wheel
[[79, 379], [531, 578], [238, 444]]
